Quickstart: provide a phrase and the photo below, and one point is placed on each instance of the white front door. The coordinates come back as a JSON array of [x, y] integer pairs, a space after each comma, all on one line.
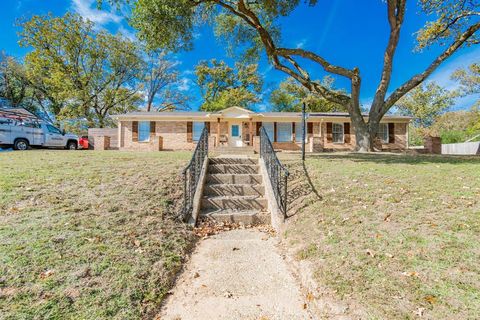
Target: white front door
[[236, 135]]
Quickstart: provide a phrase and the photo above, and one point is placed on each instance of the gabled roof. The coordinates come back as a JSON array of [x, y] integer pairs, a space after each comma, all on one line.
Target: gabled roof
[[233, 112]]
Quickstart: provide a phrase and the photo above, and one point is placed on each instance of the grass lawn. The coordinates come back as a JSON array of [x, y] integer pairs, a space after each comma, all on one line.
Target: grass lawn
[[399, 235], [89, 235]]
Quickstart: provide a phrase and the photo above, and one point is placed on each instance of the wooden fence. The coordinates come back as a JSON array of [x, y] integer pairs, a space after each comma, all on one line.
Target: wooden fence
[[108, 132], [466, 148]]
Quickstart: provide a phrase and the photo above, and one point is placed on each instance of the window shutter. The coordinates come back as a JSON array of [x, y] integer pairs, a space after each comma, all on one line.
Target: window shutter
[[207, 125], [346, 132], [274, 132], [135, 131], [329, 132], [294, 133], [152, 128], [189, 131], [310, 127], [259, 125], [391, 132]]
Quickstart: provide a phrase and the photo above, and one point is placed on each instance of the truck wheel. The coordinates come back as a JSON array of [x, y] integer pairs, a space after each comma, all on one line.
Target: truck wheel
[[20, 144], [72, 145]]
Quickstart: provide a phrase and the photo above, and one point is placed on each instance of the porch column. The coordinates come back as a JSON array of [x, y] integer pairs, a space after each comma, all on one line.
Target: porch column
[[250, 129], [120, 136], [218, 133]]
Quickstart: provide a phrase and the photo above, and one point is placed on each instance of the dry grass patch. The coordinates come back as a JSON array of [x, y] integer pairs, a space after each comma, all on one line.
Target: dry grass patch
[[89, 235], [398, 234]]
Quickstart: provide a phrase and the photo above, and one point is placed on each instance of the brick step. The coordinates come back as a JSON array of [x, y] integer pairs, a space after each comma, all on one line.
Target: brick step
[[246, 217], [239, 203], [233, 168], [233, 161], [234, 190], [228, 178]]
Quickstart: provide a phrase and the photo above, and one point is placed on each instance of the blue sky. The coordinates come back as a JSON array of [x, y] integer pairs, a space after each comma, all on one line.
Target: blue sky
[[343, 31]]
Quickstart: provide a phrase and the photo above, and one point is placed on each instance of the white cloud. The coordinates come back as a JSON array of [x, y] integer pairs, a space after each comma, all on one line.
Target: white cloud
[[262, 107], [87, 9], [184, 84], [129, 34], [443, 73], [267, 70], [301, 44]]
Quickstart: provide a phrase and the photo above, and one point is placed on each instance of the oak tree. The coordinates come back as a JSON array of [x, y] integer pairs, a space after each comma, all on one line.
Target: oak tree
[[223, 86], [426, 102], [92, 74]]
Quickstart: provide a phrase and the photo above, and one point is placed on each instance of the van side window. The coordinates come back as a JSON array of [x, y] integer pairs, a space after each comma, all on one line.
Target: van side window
[[31, 124], [52, 129]]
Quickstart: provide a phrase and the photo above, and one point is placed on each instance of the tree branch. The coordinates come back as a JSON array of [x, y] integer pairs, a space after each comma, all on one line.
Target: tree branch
[[396, 13], [419, 78], [316, 58]]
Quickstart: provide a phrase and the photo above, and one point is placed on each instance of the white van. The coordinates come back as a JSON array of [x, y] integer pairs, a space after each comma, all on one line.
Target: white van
[[21, 133]]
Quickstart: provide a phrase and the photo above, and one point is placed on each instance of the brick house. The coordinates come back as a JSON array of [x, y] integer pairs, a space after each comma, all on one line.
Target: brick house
[[238, 127]]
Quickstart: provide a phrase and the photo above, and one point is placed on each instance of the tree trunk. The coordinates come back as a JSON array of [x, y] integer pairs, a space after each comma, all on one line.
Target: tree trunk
[[362, 137]]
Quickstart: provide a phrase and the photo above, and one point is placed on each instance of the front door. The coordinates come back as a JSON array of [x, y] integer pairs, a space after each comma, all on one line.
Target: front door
[[236, 135]]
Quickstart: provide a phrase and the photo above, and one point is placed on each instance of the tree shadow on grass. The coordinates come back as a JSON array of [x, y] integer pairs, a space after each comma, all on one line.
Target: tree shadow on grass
[[391, 158], [301, 190]]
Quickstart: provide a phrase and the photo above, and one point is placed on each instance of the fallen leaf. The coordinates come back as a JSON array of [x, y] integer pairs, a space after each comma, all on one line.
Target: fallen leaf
[[309, 297], [235, 249], [410, 274], [46, 274], [430, 299], [196, 275]]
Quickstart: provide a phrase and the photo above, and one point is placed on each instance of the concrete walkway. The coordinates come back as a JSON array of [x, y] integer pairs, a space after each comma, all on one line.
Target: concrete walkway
[[237, 274]]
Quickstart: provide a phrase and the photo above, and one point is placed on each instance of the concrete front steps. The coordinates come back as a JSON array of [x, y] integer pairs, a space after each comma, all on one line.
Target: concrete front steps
[[228, 150], [234, 192]]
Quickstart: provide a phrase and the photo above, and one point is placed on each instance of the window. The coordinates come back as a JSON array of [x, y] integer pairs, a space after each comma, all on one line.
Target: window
[[143, 131], [284, 131], [31, 125], [235, 130], [337, 131], [197, 130], [299, 132], [270, 129], [6, 121], [383, 133], [52, 129]]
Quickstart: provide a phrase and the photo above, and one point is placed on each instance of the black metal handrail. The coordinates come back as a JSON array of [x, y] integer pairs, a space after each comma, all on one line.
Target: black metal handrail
[[191, 173], [277, 172]]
